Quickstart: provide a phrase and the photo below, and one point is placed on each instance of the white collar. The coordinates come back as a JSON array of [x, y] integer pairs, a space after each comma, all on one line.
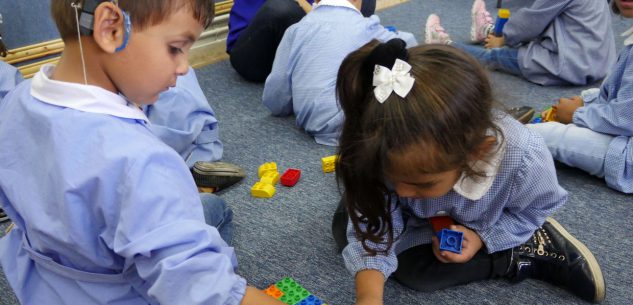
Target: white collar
[[86, 98], [342, 3], [629, 40], [474, 188]]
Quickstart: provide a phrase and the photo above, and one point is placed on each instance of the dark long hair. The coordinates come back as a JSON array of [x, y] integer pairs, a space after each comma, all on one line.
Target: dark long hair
[[446, 117]]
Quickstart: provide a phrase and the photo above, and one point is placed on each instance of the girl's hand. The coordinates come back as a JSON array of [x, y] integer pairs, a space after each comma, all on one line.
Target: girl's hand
[[493, 42], [368, 302], [470, 246], [566, 107]]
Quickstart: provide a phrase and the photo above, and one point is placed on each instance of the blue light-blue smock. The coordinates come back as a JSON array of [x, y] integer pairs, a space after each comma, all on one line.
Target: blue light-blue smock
[[184, 120], [9, 78], [612, 113], [104, 212], [563, 41], [303, 77]]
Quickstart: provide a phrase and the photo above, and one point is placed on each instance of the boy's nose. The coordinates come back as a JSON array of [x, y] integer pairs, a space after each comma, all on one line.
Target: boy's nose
[[183, 66]]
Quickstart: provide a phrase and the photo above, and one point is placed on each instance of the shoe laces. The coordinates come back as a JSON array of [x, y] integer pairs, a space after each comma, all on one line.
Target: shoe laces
[[541, 240], [487, 17]]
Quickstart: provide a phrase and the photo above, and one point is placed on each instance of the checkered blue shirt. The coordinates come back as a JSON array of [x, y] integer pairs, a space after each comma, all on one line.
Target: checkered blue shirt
[[524, 192], [612, 113]]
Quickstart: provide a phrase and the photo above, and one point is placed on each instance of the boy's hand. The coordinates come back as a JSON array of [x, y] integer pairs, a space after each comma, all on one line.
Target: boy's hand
[[566, 107], [470, 246], [304, 5], [493, 42]]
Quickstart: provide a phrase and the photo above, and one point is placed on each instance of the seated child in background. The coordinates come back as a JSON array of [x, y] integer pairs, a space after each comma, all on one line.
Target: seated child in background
[[594, 132], [563, 42], [105, 212], [424, 144], [303, 78], [184, 120], [9, 78], [256, 28]]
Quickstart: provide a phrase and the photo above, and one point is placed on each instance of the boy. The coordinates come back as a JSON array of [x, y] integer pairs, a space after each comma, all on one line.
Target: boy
[[105, 212], [307, 61]]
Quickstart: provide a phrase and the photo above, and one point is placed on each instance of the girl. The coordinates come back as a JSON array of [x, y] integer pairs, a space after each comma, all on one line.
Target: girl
[[420, 140], [605, 120], [548, 42]]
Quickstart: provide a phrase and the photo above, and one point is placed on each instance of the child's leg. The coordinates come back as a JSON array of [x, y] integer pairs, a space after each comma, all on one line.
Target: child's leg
[[218, 214], [254, 51], [419, 269], [504, 59], [569, 144]]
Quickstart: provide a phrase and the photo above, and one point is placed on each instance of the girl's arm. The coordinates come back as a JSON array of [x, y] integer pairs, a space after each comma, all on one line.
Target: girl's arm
[[370, 286], [371, 271], [612, 114], [528, 23]]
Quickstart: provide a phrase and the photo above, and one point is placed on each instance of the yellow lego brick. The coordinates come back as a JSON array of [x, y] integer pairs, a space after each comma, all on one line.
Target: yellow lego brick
[[550, 116], [262, 190], [270, 177], [268, 166], [329, 163]]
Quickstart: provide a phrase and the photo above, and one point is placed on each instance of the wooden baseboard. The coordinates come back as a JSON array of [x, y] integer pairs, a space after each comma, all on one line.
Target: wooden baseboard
[[210, 48]]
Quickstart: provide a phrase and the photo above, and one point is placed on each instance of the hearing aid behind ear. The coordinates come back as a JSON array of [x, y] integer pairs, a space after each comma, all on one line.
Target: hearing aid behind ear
[[87, 18]]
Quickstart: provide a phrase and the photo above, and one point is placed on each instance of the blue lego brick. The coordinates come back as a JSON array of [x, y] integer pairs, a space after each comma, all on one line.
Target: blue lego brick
[[450, 240], [391, 28], [310, 300]]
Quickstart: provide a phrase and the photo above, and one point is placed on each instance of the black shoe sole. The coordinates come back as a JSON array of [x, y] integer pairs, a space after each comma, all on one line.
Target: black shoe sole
[[594, 267], [216, 174]]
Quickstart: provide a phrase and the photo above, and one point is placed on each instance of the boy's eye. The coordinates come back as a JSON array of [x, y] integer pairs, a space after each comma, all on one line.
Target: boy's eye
[[175, 50]]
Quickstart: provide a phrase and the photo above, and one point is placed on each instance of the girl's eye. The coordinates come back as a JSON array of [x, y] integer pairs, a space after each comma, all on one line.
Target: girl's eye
[[174, 50]]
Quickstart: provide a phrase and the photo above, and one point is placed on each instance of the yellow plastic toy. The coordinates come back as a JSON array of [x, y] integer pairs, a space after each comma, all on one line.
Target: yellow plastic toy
[[550, 115], [270, 177], [329, 163], [262, 190], [268, 166]]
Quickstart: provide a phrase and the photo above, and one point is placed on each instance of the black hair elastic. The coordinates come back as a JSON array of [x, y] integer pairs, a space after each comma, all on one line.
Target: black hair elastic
[[385, 54]]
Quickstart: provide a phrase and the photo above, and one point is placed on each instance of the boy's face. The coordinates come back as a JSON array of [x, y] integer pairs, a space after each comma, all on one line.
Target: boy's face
[[154, 57]]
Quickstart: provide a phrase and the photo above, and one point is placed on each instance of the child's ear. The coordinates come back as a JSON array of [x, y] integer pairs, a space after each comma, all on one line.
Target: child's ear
[[108, 29], [484, 148]]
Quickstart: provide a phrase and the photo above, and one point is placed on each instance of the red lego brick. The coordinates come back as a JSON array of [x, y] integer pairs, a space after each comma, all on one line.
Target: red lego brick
[[290, 177], [441, 222]]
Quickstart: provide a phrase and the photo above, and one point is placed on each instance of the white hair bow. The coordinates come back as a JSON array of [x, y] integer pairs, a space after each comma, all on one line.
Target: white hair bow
[[397, 79]]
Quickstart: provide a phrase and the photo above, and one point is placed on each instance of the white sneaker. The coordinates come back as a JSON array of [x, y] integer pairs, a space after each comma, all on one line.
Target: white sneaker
[[434, 33], [481, 22]]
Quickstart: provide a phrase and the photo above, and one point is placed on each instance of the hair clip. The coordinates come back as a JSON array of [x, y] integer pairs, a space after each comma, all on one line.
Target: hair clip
[[397, 79]]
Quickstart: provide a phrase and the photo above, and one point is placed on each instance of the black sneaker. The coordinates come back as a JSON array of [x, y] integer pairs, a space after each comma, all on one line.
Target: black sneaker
[[554, 256], [3, 216], [218, 175], [522, 114]]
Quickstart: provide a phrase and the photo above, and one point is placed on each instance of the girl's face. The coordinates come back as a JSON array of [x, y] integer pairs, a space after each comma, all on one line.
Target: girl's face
[[625, 7], [424, 186]]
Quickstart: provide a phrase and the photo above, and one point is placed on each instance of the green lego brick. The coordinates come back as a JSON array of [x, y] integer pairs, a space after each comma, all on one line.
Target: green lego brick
[[293, 292]]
